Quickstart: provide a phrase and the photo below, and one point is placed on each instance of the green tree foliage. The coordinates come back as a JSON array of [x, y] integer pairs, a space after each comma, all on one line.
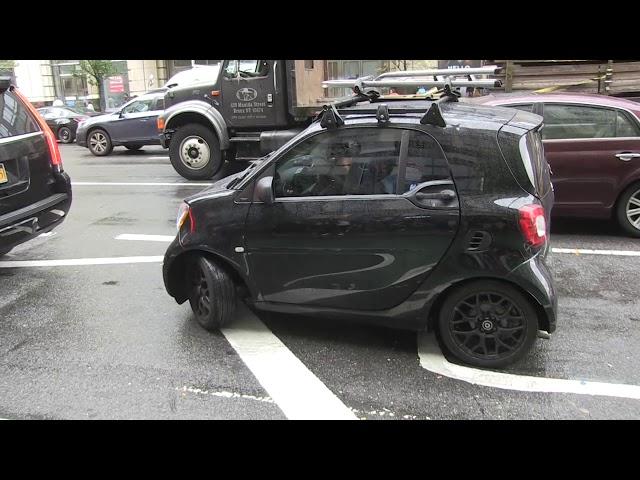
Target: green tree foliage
[[96, 72]]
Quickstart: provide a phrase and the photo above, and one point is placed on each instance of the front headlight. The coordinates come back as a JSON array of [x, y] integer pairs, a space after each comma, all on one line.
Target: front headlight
[[184, 212]]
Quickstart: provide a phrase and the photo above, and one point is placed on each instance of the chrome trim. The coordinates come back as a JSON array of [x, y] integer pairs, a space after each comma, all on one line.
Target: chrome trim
[[16, 138]]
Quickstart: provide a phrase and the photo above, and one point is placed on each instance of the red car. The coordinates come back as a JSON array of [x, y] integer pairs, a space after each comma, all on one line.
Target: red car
[[592, 143]]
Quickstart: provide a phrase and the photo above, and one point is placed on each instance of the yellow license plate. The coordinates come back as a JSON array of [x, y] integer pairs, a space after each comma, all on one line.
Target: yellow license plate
[[3, 174]]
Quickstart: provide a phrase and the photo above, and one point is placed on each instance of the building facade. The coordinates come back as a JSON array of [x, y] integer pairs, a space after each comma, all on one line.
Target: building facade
[[45, 81]]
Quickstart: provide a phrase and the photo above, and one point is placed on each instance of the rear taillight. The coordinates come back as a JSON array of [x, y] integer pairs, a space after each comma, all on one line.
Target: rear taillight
[[54, 151], [533, 224]]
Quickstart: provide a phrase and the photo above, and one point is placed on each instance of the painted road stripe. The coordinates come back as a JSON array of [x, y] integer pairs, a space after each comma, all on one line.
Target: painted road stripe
[[139, 184], [145, 238], [584, 251], [295, 389], [431, 359], [80, 262], [158, 158]]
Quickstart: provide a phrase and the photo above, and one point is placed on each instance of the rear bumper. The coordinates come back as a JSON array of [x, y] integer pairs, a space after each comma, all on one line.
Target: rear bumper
[[535, 278], [32, 220]]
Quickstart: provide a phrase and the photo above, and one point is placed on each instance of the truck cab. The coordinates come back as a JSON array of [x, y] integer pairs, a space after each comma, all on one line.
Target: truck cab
[[252, 108]]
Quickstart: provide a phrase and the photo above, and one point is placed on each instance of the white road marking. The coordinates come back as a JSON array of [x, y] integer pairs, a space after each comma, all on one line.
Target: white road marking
[[431, 359], [158, 158], [585, 251], [80, 261], [296, 390], [225, 394], [139, 184], [145, 238]]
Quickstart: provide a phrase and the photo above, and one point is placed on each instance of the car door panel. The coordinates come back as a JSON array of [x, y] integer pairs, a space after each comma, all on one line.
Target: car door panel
[[587, 174], [366, 252]]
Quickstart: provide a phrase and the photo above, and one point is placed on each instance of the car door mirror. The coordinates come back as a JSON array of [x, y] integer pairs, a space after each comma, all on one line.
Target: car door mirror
[[264, 190]]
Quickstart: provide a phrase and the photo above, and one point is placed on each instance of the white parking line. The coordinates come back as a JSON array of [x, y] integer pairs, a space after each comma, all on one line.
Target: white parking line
[[431, 359], [79, 262], [296, 390], [139, 184], [585, 251], [145, 238]]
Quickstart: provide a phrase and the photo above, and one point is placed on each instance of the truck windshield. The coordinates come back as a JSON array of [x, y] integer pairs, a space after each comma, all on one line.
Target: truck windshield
[[246, 68]]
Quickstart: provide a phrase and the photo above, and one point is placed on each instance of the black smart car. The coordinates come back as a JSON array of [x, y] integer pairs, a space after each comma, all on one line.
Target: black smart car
[[409, 214], [35, 192]]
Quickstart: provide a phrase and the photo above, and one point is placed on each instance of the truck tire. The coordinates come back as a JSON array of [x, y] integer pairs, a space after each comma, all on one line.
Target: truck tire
[[195, 152]]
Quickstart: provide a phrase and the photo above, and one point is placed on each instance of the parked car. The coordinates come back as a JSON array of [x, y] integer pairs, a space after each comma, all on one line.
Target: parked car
[[132, 126], [35, 192], [63, 122], [383, 216], [592, 143]]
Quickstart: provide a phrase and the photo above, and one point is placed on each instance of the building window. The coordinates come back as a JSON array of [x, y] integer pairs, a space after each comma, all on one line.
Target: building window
[[308, 64]]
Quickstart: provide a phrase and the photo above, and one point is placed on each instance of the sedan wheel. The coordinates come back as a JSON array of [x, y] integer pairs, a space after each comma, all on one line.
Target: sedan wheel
[[64, 135], [628, 210], [633, 209]]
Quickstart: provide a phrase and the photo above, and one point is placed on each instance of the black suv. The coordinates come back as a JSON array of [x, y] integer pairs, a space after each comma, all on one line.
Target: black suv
[[409, 214], [35, 192]]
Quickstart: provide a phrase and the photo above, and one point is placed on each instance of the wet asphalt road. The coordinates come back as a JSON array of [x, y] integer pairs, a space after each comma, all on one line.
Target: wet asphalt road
[[107, 342]]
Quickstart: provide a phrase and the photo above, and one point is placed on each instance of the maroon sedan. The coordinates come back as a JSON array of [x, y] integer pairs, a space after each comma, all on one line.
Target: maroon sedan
[[592, 143]]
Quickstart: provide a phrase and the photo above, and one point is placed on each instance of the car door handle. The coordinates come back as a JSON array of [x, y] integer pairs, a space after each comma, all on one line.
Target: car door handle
[[446, 195], [625, 157]]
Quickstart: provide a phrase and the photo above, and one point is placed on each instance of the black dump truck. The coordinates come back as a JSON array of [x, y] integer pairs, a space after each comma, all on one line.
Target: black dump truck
[[252, 108], [255, 106]]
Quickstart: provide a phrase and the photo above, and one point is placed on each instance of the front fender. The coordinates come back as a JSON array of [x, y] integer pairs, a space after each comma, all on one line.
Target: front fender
[[172, 115]]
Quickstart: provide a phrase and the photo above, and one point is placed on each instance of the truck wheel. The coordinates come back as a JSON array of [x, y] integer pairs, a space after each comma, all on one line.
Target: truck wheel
[[212, 294], [195, 152]]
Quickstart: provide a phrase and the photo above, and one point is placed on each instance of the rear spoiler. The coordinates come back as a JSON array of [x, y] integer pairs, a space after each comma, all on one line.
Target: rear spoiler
[[525, 120], [5, 84]]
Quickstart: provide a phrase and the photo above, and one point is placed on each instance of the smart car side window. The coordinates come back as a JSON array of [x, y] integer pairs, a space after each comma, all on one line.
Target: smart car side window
[[348, 161], [425, 162]]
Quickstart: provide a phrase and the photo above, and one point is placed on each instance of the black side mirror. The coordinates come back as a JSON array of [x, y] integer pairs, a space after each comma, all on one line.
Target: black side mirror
[[264, 190]]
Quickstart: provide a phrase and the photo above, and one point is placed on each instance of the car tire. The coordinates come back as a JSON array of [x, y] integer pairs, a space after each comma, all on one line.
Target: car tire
[[475, 314], [212, 294], [628, 210], [65, 135], [99, 142], [133, 147], [195, 152]]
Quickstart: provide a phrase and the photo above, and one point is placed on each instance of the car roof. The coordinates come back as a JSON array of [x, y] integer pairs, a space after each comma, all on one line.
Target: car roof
[[532, 97]]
